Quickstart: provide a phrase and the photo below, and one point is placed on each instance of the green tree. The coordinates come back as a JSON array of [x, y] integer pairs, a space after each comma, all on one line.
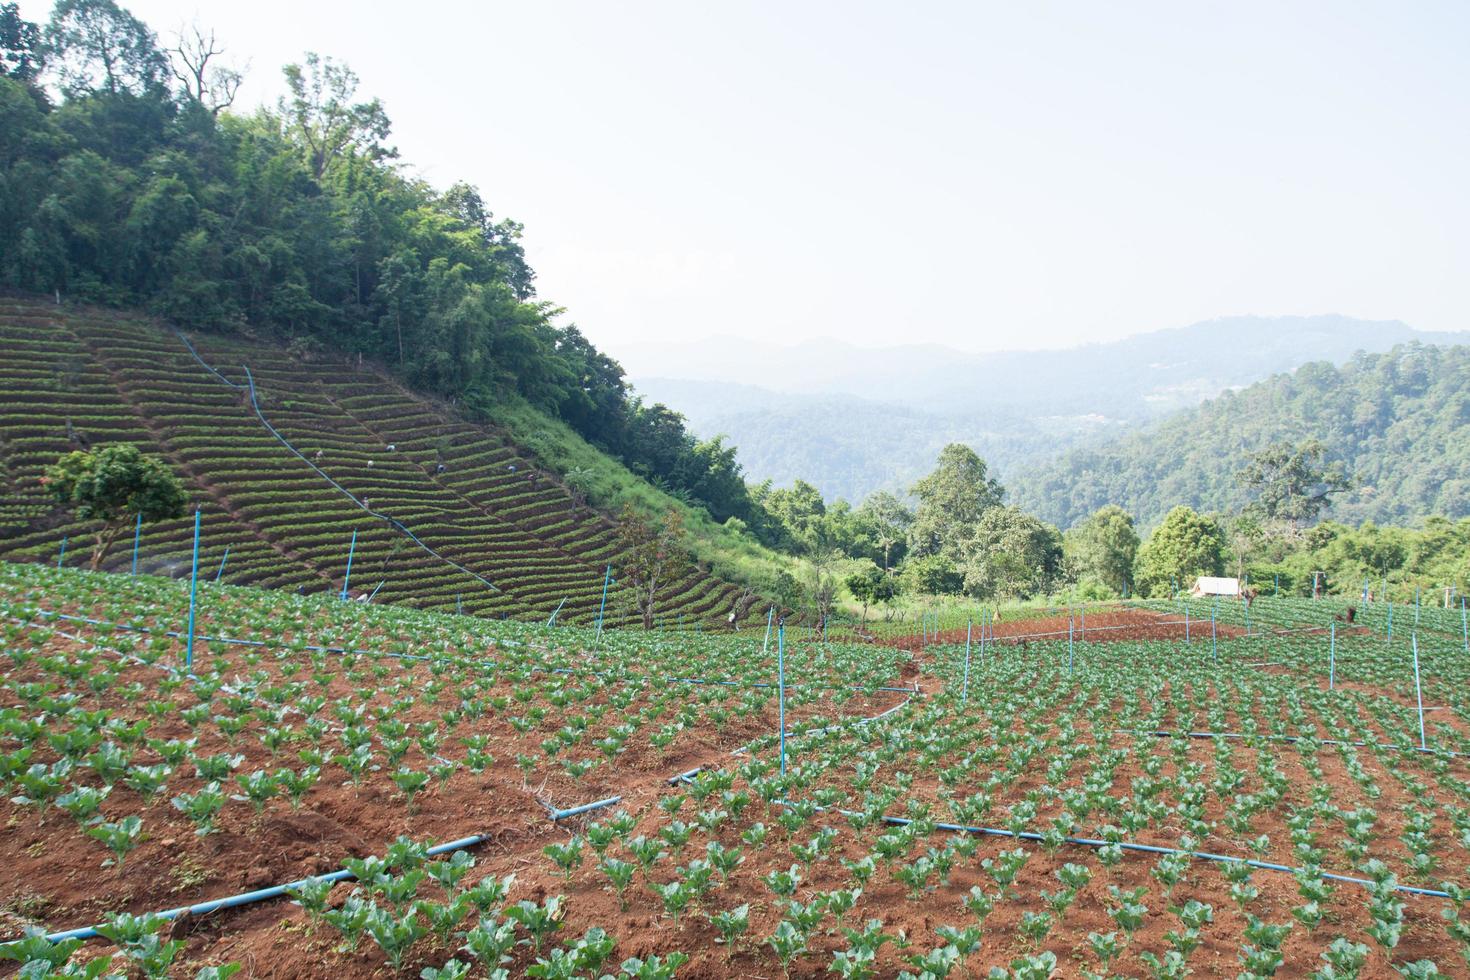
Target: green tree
[[652, 558], [799, 511], [1010, 553], [1103, 547], [20, 45], [930, 575], [869, 585], [1291, 484], [97, 46], [1184, 546], [951, 500], [113, 485], [887, 521], [321, 116]]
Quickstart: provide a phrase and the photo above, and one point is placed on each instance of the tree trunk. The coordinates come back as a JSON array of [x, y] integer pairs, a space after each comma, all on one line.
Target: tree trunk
[[103, 544]]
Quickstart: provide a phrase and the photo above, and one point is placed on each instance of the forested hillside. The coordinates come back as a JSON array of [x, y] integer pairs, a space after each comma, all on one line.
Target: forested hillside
[[1398, 421], [126, 179]]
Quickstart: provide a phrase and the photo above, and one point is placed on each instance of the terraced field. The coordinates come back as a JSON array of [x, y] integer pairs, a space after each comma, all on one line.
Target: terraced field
[[448, 515]]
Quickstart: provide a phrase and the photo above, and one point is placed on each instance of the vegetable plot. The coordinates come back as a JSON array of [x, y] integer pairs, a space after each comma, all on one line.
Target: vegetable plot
[[1124, 808]]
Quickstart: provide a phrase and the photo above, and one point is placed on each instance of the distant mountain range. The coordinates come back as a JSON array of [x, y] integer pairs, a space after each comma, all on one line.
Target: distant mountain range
[[1398, 421], [852, 420]]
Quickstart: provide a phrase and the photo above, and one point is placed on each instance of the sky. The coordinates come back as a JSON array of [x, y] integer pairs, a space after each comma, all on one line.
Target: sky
[[982, 175]]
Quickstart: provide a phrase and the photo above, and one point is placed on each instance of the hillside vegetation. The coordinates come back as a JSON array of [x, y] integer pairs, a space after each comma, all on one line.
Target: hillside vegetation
[[1397, 420], [85, 377], [120, 186]]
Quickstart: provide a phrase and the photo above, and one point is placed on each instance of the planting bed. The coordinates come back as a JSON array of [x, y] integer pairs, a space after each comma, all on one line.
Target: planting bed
[[883, 847], [76, 377]]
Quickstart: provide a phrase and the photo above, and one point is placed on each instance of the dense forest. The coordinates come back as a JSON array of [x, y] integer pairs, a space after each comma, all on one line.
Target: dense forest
[[128, 180], [1398, 423]]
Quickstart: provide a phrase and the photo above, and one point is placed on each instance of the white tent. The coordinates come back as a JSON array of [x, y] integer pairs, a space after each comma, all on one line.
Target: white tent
[[1206, 585]]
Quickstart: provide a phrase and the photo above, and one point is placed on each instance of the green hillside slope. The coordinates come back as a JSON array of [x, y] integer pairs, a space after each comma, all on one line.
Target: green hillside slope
[[1400, 421], [75, 377]]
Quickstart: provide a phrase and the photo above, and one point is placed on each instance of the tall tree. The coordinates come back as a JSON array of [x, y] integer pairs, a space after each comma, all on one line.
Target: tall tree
[[97, 46], [321, 116], [1104, 547], [1185, 545], [21, 55], [1011, 553], [1292, 484], [114, 485], [888, 521], [204, 79], [653, 557], [951, 500]]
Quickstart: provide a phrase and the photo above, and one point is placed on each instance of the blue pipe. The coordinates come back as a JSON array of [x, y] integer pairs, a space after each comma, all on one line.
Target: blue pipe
[[259, 895], [374, 593], [781, 697], [193, 592], [1144, 848], [360, 651], [555, 612], [606, 578], [1418, 692], [137, 534], [347, 578], [1293, 738], [221, 570], [584, 808], [61, 557]]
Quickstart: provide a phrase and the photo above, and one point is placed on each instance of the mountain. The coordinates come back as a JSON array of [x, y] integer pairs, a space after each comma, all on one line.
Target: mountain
[[852, 420], [1399, 421]]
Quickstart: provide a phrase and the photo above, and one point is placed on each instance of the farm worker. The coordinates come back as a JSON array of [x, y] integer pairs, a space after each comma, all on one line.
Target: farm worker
[[392, 448]]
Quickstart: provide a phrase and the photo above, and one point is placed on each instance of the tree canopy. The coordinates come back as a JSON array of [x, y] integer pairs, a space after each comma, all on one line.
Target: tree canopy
[[128, 181], [114, 486]]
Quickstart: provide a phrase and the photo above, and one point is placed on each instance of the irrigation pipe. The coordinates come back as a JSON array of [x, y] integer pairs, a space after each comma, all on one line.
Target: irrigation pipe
[[1289, 738], [1143, 848], [392, 522], [260, 894], [458, 661]]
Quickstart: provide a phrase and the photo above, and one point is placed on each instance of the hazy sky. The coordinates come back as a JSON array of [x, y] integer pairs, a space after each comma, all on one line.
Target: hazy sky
[[982, 175]]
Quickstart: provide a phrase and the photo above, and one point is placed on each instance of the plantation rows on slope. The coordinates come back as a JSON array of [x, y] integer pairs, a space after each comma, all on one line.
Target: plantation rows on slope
[[73, 378]]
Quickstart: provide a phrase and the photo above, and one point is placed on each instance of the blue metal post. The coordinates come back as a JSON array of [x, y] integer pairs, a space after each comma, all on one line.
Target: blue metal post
[[374, 593], [766, 644], [1214, 647], [61, 557], [193, 593], [555, 612], [351, 550], [969, 628], [781, 691], [1418, 692], [224, 558], [1332, 657], [606, 578], [137, 534]]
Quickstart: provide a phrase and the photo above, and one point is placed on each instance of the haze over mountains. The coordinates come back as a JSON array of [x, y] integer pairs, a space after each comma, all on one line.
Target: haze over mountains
[[852, 420]]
